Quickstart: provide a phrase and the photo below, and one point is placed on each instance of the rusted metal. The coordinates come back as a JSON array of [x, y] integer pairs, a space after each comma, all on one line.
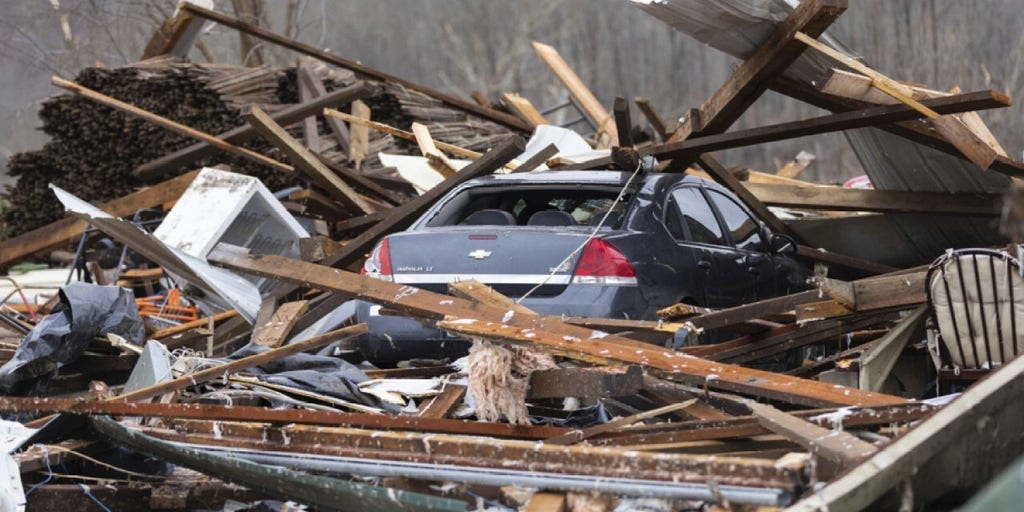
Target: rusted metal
[[276, 416]]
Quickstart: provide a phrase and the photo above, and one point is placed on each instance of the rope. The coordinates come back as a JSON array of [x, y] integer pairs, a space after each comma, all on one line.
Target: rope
[[593, 233]]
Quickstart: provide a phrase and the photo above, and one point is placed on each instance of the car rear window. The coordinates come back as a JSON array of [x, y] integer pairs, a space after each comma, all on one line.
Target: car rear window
[[518, 205]]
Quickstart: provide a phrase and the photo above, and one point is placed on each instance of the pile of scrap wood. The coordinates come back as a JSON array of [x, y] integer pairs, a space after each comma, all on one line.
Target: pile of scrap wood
[[825, 398]]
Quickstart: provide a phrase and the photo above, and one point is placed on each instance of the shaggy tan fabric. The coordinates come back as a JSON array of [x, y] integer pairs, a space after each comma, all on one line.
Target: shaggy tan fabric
[[499, 378]]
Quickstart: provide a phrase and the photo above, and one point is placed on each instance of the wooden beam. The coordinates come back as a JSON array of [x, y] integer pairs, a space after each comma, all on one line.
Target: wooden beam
[[358, 180], [292, 114], [591, 106], [305, 160], [835, 449], [869, 116], [442, 405], [308, 80], [310, 130], [474, 290], [281, 323], [524, 109], [848, 199], [750, 79], [402, 216], [175, 36], [920, 134], [796, 166], [435, 158], [760, 309], [590, 382], [652, 117], [972, 146], [476, 319], [623, 124], [576, 436], [58, 233], [877, 362], [360, 70], [168, 124], [538, 159]]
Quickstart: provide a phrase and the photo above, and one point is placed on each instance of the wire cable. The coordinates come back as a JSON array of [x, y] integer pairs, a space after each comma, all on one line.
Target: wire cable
[[593, 233]]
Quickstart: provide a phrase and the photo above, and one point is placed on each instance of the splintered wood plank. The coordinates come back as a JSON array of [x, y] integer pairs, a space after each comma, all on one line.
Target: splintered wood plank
[[360, 147], [972, 146], [848, 199], [306, 160], [168, 124], [590, 382], [280, 325], [445, 403], [835, 449], [576, 436], [796, 166], [591, 106], [245, 133], [60, 232], [750, 79], [435, 159], [471, 107], [476, 319], [824, 256], [524, 109], [309, 81]]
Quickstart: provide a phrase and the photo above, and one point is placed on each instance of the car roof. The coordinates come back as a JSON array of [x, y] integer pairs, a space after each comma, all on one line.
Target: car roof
[[597, 177]]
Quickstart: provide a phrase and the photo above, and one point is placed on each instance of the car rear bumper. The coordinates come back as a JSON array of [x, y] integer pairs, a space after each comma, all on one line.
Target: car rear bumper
[[395, 338]]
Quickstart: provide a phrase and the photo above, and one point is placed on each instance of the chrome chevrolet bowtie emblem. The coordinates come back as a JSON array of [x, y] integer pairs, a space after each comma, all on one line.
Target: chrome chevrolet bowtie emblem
[[479, 254]]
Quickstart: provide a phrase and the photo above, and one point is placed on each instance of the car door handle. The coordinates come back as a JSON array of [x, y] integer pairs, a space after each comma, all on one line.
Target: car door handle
[[754, 270], [704, 264], [754, 259]]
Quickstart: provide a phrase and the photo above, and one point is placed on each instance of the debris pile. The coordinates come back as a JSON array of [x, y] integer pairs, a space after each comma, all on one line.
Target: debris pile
[[239, 322]]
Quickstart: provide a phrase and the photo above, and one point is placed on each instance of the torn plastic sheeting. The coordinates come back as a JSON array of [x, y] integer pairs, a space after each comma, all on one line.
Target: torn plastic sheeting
[[322, 492], [323, 375], [221, 288], [84, 311]]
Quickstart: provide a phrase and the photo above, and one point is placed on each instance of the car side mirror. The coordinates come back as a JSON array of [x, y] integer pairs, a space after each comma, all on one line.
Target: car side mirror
[[782, 244]]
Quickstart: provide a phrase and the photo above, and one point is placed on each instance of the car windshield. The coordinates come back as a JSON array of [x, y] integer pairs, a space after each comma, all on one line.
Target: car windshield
[[531, 205]]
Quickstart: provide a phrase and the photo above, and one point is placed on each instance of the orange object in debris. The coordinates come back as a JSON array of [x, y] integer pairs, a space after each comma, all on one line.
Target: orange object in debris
[[172, 307]]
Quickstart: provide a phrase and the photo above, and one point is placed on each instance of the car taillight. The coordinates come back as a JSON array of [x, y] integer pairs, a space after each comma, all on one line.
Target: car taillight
[[378, 265], [602, 263]]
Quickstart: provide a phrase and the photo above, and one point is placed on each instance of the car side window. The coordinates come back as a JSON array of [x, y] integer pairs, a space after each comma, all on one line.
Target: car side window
[[742, 227], [689, 211]]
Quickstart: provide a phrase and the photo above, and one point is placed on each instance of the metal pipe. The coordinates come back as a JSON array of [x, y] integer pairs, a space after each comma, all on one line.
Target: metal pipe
[[499, 477]]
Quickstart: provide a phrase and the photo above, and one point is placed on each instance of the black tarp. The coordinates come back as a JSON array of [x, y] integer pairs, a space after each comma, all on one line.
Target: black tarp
[[84, 312]]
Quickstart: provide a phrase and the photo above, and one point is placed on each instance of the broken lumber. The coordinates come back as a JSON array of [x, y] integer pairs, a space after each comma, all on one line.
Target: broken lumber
[[592, 108], [475, 319], [308, 80], [748, 81], [245, 133], [306, 161], [835, 449], [865, 200], [524, 109], [972, 146]]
